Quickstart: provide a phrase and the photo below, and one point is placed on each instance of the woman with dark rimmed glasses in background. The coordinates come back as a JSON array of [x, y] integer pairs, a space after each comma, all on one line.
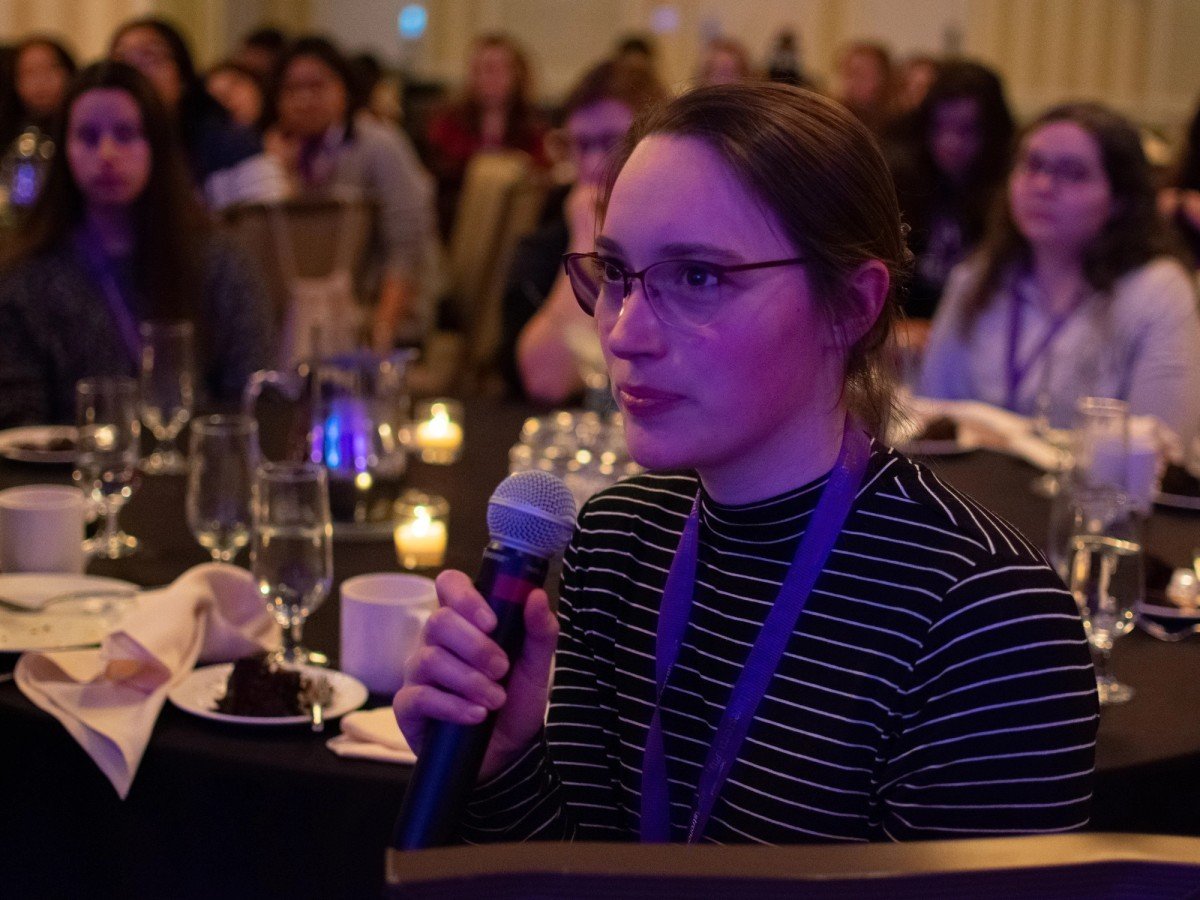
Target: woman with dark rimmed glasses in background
[[785, 631]]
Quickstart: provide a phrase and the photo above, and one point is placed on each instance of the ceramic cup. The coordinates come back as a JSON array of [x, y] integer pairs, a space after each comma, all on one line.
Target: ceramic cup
[[382, 617], [41, 529]]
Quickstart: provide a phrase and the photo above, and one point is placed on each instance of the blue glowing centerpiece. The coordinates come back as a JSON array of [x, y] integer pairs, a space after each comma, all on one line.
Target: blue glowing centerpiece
[[348, 413]]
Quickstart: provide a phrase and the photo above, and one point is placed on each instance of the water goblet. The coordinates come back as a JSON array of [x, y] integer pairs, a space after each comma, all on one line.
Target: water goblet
[[1050, 484], [1101, 443], [222, 459], [168, 390], [292, 551], [1105, 572], [106, 413]]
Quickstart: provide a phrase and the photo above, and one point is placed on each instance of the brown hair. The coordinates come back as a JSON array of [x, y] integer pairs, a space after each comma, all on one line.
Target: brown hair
[[1133, 235], [627, 80], [823, 175]]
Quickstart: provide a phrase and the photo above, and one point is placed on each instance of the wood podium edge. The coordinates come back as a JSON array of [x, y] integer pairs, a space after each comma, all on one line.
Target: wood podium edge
[[793, 862]]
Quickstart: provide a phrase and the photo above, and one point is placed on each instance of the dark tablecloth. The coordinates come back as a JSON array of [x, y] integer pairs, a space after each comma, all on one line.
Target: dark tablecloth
[[272, 812]]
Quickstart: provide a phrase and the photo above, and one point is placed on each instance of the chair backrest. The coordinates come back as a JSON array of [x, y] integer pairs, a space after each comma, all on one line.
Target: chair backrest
[[315, 229], [308, 252], [501, 201]]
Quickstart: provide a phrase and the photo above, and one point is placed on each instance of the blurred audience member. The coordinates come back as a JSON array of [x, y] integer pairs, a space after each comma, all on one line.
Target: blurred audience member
[[495, 112], [638, 49], [541, 352], [31, 100], [1074, 291], [261, 50], [725, 61], [864, 83], [1179, 201], [239, 90], [379, 91], [328, 150], [226, 159], [957, 157], [916, 76], [785, 63], [41, 70], [117, 238]]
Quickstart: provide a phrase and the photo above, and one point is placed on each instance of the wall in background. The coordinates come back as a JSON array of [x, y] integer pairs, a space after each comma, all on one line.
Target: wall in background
[[1139, 55]]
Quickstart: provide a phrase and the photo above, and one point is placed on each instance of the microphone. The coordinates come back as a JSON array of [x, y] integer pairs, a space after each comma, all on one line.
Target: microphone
[[530, 517]]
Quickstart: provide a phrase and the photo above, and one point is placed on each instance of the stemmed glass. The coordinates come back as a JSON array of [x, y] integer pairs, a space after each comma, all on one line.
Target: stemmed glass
[[168, 389], [292, 552], [1050, 483], [106, 412], [1106, 576], [589, 363], [222, 460]]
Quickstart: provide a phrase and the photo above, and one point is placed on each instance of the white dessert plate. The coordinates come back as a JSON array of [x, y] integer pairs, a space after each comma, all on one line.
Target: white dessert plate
[[198, 694], [96, 607], [35, 443]]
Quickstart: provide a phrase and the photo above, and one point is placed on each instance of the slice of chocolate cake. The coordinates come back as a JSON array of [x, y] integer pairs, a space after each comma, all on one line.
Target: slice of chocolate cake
[[256, 687]]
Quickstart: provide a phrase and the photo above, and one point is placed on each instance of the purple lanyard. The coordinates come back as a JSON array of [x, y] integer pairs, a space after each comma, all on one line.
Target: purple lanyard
[[101, 269], [819, 538], [1017, 372]]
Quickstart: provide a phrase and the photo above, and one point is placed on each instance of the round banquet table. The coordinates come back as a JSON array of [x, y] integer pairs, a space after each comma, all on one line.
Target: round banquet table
[[223, 809]]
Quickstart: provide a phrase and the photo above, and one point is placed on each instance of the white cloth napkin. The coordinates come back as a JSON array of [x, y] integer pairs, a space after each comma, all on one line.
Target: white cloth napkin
[[372, 734], [988, 426], [109, 698]]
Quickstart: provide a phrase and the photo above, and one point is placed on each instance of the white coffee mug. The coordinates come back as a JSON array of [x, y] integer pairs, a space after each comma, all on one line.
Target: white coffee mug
[[382, 617], [41, 529]]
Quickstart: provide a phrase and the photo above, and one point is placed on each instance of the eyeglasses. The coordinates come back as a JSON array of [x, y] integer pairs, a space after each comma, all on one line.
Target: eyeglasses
[[682, 292], [1065, 171]]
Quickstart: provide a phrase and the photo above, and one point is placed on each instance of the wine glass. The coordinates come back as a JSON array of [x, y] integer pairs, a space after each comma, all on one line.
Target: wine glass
[[106, 412], [1106, 577], [292, 552], [168, 389], [585, 350], [222, 459], [1101, 441], [1051, 428]]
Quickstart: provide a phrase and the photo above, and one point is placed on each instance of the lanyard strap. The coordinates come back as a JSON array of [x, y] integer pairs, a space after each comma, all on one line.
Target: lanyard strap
[[751, 686], [1018, 372], [101, 269]]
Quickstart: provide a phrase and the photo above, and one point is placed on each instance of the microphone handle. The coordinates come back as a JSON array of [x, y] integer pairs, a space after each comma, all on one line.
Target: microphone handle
[[448, 767]]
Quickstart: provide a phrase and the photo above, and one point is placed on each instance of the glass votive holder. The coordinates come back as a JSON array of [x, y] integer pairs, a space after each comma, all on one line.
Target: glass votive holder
[[421, 531], [437, 432]]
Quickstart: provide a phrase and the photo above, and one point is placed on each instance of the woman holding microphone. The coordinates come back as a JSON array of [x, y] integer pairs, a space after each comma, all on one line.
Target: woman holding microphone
[[785, 631]]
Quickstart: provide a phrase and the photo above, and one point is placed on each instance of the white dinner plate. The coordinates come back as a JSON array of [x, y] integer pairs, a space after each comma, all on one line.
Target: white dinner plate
[[1178, 501], [903, 433], [199, 692], [1169, 611], [77, 622], [937, 448], [31, 443]]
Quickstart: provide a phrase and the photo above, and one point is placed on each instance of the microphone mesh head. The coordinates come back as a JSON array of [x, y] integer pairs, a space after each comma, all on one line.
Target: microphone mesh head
[[532, 511]]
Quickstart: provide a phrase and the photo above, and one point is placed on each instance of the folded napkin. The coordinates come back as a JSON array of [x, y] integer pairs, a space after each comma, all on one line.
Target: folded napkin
[[372, 734], [988, 426], [109, 698]]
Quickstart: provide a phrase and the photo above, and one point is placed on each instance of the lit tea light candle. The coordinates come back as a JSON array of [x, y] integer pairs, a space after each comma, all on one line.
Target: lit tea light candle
[[438, 435], [421, 531]]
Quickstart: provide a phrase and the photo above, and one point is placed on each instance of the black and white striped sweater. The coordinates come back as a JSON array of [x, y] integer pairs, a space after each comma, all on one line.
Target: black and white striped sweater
[[938, 683]]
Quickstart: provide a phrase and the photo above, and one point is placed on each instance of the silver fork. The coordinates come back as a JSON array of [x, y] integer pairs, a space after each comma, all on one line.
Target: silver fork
[[9, 605]]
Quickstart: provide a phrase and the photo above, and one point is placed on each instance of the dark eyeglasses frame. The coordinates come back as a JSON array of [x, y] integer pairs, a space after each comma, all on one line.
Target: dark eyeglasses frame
[[629, 277]]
